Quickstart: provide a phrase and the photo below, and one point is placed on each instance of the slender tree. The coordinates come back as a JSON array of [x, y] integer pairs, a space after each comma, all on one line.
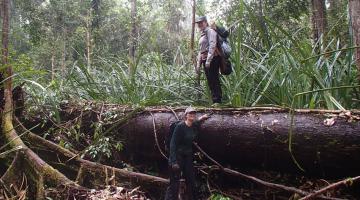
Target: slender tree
[[88, 29], [265, 31], [192, 45], [354, 10], [318, 19], [192, 39], [133, 35], [7, 72]]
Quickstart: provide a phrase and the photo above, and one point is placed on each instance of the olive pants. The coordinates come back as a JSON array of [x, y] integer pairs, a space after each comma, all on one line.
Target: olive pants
[[187, 170]]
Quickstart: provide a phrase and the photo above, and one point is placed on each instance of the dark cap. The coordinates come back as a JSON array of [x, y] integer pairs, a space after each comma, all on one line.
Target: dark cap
[[200, 19]]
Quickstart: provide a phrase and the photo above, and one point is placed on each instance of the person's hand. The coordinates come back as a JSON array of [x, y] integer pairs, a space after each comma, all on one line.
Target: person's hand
[[204, 117], [197, 69], [175, 167], [207, 65]]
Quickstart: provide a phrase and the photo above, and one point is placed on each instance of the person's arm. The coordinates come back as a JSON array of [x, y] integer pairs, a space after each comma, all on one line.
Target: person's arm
[[200, 120], [212, 39], [203, 117], [173, 145]]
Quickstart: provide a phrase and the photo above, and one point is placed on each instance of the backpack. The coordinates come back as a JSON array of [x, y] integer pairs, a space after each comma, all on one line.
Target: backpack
[[169, 135], [225, 50], [223, 41]]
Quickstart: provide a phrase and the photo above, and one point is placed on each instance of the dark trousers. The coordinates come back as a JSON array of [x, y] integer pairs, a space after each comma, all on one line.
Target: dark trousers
[[213, 79], [187, 170]]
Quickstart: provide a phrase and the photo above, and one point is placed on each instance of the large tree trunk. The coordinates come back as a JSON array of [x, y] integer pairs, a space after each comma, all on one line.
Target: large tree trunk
[[318, 19], [249, 138], [354, 10]]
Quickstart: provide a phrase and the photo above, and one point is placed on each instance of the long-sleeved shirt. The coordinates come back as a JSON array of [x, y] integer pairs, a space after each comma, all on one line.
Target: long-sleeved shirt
[[207, 45], [182, 139]]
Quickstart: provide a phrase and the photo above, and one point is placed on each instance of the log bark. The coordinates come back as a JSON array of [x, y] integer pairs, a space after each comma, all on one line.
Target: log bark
[[250, 137]]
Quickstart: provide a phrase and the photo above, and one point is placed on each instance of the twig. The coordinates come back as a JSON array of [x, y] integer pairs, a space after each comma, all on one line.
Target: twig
[[330, 187], [172, 110], [156, 137]]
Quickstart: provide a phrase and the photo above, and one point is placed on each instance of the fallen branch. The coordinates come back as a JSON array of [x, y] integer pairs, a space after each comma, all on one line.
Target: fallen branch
[[136, 179], [331, 187], [259, 181]]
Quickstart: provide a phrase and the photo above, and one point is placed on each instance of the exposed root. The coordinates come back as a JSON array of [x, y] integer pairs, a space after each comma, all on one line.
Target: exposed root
[[92, 171], [89, 174]]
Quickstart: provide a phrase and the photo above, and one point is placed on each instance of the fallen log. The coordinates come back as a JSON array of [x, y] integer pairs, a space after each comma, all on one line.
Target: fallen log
[[325, 143]]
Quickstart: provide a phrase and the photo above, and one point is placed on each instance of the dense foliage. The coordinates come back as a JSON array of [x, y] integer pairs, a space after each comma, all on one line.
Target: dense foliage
[[66, 50]]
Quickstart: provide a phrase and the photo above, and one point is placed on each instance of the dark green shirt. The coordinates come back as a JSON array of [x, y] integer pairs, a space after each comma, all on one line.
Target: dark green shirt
[[182, 139]]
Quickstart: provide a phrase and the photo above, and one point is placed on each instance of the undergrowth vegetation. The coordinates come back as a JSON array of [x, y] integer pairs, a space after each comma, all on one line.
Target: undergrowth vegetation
[[261, 77], [271, 65]]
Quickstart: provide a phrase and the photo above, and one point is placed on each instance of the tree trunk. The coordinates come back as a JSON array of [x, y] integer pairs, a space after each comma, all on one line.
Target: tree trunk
[[63, 53], [53, 65], [318, 19], [249, 137], [192, 50], [192, 38], [95, 6], [354, 10], [88, 38], [133, 35], [265, 31]]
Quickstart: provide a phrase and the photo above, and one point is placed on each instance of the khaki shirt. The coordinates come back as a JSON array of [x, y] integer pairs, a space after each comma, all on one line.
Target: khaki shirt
[[207, 46]]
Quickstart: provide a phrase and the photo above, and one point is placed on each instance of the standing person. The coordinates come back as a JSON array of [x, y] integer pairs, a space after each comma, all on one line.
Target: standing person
[[209, 58], [181, 155]]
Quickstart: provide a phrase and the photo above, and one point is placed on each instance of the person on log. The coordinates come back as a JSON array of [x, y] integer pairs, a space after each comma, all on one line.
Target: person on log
[[181, 155], [209, 58]]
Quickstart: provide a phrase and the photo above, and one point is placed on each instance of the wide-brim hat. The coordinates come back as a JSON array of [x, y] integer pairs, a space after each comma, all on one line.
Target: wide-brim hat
[[200, 19]]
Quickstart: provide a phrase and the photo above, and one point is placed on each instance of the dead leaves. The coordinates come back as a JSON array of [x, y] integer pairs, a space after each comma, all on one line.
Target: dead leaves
[[117, 193], [329, 121], [345, 114]]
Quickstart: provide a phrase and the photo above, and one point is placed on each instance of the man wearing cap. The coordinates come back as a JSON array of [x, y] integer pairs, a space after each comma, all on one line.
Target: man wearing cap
[[181, 155], [209, 58]]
